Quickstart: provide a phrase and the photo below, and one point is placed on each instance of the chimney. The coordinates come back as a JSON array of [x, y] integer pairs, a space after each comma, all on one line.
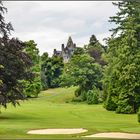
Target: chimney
[[62, 47], [54, 52]]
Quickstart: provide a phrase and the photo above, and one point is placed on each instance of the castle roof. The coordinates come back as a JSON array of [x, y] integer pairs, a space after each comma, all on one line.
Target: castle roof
[[70, 42]]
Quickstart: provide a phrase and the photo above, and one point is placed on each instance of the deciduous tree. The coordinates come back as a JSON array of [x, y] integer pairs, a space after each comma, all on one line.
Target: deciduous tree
[[14, 64], [82, 71], [51, 68], [33, 87]]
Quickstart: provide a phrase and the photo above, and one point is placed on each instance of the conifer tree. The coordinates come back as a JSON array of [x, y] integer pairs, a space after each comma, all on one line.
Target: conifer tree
[[122, 75]]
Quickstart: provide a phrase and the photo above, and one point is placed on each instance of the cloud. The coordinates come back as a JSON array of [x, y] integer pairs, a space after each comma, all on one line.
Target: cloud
[[50, 23]]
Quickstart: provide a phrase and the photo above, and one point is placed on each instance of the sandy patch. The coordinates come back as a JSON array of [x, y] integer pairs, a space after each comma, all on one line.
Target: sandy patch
[[57, 131], [116, 135]]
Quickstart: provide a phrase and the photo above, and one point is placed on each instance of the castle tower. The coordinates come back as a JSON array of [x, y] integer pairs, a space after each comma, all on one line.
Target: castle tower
[[70, 42], [66, 52], [54, 51], [62, 47]]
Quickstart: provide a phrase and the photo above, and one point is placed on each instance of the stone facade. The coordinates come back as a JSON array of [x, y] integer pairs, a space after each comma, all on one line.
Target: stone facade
[[66, 52]]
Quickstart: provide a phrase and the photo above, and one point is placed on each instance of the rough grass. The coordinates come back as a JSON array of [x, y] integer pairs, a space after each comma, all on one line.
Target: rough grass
[[52, 110]]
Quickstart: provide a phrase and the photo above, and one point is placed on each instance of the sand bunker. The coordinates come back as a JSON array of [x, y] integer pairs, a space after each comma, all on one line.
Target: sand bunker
[[116, 135], [57, 131]]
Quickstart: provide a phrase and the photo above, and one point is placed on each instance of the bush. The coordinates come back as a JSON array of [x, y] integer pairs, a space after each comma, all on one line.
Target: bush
[[78, 92], [32, 88], [93, 96], [55, 82], [124, 107], [110, 103]]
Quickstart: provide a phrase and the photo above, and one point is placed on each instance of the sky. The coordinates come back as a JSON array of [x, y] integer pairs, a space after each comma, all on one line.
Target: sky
[[50, 23]]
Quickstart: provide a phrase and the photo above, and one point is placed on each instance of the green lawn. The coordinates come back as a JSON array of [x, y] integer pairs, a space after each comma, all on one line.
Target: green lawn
[[51, 110]]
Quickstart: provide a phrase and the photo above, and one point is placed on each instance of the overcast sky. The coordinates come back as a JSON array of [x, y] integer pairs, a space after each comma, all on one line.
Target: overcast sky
[[50, 23]]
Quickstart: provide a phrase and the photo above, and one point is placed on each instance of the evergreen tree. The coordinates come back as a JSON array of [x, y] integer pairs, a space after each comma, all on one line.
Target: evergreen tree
[[122, 75], [95, 50]]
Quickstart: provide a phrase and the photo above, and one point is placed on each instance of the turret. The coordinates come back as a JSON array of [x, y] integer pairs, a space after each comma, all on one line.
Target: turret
[[62, 47], [70, 42], [54, 51]]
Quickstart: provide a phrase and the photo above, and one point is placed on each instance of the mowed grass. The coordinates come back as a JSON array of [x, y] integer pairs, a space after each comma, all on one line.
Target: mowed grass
[[52, 109]]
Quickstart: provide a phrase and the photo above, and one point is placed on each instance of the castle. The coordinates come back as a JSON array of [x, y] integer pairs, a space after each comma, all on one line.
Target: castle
[[66, 52]]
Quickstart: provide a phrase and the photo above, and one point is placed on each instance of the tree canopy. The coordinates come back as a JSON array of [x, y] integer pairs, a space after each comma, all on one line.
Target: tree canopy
[[95, 49], [122, 75], [14, 64], [51, 69], [82, 71], [33, 86]]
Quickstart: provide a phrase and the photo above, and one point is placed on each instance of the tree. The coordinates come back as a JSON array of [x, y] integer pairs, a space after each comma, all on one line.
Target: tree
[[57, 67], [5, 28], [122, 75], [51, 70], [44, 58], [14, 64], [83, 72], [95, 50], [78, 51], [33, 87]]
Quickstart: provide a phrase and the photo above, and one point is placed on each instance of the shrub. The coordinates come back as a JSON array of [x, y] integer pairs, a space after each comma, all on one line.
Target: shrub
[[31, 89], [126, 110], [124, 105], [110, 103], [93, 96], [78, 92]]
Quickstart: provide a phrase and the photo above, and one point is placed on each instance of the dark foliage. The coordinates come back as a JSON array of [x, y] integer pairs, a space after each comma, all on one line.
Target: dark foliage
[[13, 64], [14, 68], [51, 69], [95, 50]]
